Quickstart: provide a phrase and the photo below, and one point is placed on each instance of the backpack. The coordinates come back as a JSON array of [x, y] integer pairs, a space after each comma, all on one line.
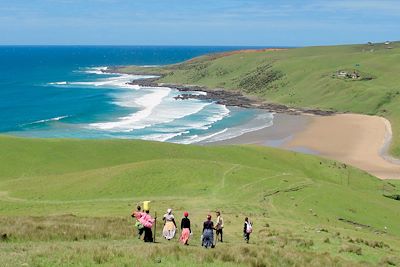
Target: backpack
[[138, 225], [249, 228]]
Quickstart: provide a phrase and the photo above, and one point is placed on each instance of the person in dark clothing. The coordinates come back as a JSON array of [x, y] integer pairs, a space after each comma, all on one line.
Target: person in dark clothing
[[247, 229], [148, 235], [185, 227], [208, 233]]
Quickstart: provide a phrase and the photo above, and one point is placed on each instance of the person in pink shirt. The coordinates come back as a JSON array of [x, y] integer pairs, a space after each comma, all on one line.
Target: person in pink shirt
[[146, 220], [139, 226]]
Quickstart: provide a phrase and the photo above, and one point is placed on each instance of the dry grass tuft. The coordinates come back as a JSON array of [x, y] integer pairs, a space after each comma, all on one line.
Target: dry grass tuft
[[66, 227], [390, 260], [350, 248]]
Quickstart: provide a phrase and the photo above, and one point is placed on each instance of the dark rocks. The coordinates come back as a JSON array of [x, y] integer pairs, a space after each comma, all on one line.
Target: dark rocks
[[151, 82], [227, 98]]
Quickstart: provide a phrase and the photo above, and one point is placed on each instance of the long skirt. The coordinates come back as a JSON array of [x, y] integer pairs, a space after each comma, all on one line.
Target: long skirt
[[208, 238], [169, 230], [185, 235], [148, 235]]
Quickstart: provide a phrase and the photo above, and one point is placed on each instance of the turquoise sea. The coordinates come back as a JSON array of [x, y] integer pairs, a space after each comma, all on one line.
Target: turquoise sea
[[60, 91]]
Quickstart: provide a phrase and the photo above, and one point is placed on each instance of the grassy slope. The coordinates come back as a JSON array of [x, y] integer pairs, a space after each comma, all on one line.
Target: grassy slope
[[82, 191], [307, 78]]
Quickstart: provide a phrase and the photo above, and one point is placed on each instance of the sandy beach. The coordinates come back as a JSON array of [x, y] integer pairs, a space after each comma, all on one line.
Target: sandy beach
[[358, 140]]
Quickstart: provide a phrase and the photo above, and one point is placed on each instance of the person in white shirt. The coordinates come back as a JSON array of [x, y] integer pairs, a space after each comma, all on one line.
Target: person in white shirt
[[169, 225], [219, 225]]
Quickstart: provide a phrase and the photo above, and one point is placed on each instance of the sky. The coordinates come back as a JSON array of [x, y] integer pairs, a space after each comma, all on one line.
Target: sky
[[198, 22]]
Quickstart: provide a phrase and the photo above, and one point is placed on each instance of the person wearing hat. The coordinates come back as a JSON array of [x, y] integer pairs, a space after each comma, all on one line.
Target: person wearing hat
[[169, 225], [185, 227]]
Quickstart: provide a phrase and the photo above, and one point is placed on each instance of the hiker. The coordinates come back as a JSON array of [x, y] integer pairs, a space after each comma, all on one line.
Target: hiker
[[208, 233], [147, 222], [137, 214], [185, 228], [247, 230], [169, 225], [219, 225]]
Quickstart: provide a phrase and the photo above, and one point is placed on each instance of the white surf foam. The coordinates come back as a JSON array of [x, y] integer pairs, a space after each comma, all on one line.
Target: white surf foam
[[208, 115], [96, 70], [119, 81], [198, 139], [218, 113], [198, 93], [137, 119], [47, 120], [260, 122], [157, 107], [59, 83], [161, 137]]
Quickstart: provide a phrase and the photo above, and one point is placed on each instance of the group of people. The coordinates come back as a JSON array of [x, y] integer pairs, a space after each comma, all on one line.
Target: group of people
[[144, 224]]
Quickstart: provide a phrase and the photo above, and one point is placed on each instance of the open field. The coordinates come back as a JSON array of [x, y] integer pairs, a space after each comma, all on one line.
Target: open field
[[67, 202], [304, 77]]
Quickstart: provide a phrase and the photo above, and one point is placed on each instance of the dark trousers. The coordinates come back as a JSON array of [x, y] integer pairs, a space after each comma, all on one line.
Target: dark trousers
[[148, 235], [246, 237], [140, 232], [219, 232]]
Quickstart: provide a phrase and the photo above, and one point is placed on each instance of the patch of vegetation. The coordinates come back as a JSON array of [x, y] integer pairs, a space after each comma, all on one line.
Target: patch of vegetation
[[68, 202], [259, 80], [387, 99], [351, 249], [390, 261], [395, 197]]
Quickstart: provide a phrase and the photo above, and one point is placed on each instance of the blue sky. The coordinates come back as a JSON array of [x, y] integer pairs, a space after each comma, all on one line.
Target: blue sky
[[198, 22]]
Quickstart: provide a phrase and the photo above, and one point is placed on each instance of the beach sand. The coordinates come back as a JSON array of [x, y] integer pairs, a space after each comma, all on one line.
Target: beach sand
[[357, 140]]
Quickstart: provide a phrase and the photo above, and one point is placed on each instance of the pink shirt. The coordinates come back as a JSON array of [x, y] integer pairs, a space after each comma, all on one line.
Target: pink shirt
[[137, 214], [146, 220]]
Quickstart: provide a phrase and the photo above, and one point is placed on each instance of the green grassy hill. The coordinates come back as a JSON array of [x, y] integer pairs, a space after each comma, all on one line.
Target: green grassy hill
[[304, 77], [67, 202]]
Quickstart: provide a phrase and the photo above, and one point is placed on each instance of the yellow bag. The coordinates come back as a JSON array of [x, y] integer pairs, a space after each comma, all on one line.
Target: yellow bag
[[146, 205]]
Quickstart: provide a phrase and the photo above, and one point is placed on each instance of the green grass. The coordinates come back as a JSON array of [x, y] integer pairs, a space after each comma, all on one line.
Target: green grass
[[304, 77], [67, 202]]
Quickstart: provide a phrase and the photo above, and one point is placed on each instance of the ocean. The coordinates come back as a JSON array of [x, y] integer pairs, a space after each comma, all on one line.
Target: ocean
[[61, 92]]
